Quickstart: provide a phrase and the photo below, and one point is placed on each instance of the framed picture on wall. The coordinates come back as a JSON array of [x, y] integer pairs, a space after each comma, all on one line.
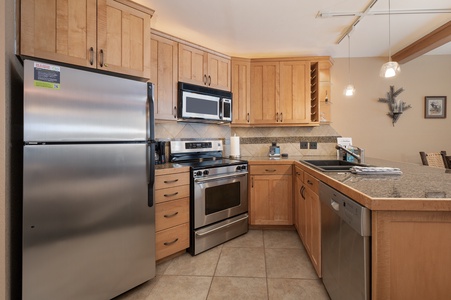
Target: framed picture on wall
[[435, 107]]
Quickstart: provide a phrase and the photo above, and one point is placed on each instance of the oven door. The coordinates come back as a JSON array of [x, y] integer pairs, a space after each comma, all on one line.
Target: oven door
[[218, 198]]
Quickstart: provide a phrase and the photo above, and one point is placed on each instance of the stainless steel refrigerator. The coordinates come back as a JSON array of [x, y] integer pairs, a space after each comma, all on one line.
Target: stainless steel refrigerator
[[88, 176]]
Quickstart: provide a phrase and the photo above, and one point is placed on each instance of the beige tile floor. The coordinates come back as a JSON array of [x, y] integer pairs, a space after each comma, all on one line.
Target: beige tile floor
[[262, 264]]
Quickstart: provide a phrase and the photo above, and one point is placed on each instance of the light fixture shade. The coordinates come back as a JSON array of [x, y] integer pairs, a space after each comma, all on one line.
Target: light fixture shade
[[390, 69], [349, 90]]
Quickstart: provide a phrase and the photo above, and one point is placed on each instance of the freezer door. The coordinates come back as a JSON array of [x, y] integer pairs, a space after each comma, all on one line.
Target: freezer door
[[88, 232], [68, 105]]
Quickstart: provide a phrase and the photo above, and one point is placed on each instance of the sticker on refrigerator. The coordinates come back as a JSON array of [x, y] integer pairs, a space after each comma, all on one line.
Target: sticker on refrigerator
[[47, 76]]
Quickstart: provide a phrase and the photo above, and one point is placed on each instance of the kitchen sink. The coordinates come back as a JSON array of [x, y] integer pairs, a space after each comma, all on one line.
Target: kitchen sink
[[332, 165]]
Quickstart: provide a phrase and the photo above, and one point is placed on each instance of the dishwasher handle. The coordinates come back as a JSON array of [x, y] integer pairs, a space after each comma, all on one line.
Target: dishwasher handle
[[335, 205]]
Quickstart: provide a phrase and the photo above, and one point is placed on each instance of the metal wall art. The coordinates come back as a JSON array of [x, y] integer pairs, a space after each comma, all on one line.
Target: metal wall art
[[395, 106]]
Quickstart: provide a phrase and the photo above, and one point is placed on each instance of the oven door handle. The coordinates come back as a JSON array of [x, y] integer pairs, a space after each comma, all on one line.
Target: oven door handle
[[222, 226], [201, 180]]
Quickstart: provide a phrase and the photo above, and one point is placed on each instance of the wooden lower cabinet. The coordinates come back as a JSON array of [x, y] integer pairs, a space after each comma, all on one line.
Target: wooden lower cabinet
[[411, 255], [172, 240], [171, 211], [271, 195], [308, 214]]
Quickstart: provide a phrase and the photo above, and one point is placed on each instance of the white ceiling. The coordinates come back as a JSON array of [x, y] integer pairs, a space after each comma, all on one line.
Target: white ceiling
[[265, 28]]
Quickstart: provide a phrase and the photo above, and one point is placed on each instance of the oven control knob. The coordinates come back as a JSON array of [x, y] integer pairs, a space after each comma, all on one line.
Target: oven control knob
[[238, 168], [243, 168], [206, 172], [199, 173]]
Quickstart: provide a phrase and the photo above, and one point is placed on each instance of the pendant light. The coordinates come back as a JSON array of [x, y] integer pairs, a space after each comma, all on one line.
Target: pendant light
[[390, 68], [349, 90]]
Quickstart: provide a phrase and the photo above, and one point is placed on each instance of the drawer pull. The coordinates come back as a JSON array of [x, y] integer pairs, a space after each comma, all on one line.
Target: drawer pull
[[170, 243], [272, 170], [171, 195], [309, 182], [170, 181], [171, 215]]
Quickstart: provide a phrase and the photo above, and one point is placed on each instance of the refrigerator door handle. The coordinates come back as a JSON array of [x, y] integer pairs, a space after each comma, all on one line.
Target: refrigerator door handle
[[150, 171], [150, 144]]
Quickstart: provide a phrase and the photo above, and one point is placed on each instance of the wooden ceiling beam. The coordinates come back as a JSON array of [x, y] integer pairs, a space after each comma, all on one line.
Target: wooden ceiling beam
[[435, 39]]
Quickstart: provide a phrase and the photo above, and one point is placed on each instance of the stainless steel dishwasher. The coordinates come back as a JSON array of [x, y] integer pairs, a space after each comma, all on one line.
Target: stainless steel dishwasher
[[346, 245]]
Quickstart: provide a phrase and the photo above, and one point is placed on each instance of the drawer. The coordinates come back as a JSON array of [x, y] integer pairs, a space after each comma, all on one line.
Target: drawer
[[172, 193], [270, 169], [171, 213], [311, 182], [171, 180], [299, 174], [172, 240]]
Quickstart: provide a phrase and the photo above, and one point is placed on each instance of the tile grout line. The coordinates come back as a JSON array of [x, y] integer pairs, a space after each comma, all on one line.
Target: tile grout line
[[266, 268]]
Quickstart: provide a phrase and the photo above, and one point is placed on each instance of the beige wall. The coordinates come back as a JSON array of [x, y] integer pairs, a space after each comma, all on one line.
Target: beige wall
[[2, 156], [365, 119]]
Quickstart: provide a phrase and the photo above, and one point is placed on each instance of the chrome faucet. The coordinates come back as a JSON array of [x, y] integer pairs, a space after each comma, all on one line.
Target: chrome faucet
[[360, 155]]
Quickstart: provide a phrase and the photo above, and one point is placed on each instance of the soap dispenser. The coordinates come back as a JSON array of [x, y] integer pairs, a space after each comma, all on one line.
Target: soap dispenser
[[274, 150]]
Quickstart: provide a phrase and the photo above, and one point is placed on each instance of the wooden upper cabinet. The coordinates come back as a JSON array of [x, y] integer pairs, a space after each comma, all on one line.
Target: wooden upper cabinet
[[241, 91], [113, 35], [280, 92], [191, 65], [264, 92], [294, 92], [218, 72], [123, 38], [164, 77], [60, 30], [200, 67]]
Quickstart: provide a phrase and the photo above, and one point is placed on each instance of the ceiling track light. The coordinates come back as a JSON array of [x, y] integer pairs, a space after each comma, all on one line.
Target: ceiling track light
[[390, 68], [350, 89]]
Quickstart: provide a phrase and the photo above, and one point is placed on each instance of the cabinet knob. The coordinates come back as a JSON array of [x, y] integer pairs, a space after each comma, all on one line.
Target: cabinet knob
[[171, 215], [91, 56], [170, 243], [102, 63]]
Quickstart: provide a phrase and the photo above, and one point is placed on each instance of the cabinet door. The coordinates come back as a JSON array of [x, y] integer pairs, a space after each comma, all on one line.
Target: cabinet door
[[294, 104], [191, 65], [63, 31], [123, 39], [264, 92], [241, 91], [271, 202], [218, 72], [297, 198], [164, 77], [316, 233]]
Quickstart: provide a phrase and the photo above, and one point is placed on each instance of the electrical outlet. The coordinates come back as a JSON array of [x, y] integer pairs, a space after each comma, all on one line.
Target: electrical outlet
[[304, 145], [313, 145]]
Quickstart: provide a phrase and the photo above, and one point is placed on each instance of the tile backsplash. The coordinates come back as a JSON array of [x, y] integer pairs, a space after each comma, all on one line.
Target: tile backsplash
[[254, 141]]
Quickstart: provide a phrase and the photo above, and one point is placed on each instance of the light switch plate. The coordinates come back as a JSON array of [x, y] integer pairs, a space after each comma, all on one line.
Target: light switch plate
[[313, 145], [304, 145]]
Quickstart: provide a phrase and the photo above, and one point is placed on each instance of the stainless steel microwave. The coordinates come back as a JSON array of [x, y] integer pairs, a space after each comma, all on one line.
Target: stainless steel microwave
[[203, 104]]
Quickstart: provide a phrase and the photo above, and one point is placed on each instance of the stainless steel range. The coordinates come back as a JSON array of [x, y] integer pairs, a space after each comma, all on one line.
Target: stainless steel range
[[218, 202]]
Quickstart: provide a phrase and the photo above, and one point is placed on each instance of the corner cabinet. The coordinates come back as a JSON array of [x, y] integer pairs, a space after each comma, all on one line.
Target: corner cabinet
[[201, 67], [111, 35], [271, 195], [164, 76], [171, 211]]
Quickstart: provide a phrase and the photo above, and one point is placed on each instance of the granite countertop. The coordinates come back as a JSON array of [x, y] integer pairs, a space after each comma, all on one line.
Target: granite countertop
[[418, 188]]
